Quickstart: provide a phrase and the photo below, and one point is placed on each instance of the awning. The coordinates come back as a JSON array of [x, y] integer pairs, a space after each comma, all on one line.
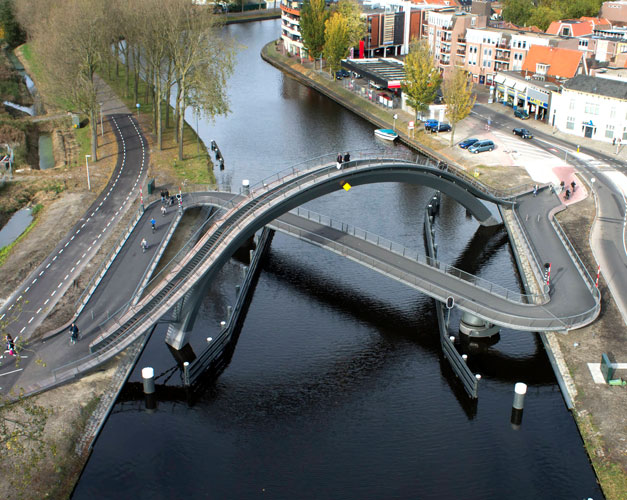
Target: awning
[[520, 86], [499, 78], [509, 83], [394, 84]]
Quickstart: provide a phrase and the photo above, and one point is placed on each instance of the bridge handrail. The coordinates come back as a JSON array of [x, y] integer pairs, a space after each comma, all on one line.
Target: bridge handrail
[[423, 259], [433, 288]]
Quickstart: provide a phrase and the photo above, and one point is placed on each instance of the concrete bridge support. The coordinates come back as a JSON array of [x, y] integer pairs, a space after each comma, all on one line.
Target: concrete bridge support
[[185, 311], [476, 327]]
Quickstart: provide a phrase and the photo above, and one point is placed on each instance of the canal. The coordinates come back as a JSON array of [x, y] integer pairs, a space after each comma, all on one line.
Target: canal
[[337, 387]]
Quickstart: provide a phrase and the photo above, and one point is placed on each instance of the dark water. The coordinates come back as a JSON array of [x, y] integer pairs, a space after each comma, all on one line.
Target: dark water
[[337, 388], [16, 225]]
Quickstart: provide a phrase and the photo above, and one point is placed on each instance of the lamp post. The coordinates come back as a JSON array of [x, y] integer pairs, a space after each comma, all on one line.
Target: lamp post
[[101, 127], [395, 117], [137, 106], [87, 157], [196, 111]]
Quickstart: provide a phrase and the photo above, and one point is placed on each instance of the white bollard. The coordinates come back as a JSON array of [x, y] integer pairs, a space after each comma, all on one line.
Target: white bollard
[[246, 186], [148, 377], [465, 357], [520, 389]]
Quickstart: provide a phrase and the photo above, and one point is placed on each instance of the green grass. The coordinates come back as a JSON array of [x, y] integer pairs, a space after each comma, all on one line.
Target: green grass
[[83, 138]]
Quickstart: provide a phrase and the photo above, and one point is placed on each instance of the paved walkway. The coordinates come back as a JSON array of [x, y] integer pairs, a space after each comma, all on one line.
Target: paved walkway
[[47, 284]]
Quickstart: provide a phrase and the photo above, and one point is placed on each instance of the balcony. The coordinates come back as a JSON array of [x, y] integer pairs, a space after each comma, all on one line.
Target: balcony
[[446, 37], [503, 46], [461, 52], [461, 41], [445, 50], [445, 62], [502, 57]]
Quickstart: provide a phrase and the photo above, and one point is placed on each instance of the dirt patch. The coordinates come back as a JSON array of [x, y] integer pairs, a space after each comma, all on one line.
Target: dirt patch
[[70, 406]]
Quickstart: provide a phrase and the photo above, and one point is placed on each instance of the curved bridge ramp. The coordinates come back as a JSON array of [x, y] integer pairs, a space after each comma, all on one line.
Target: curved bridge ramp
[[289, 189]]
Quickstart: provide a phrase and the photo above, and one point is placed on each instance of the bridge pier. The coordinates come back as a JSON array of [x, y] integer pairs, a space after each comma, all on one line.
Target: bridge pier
[[476, 327]]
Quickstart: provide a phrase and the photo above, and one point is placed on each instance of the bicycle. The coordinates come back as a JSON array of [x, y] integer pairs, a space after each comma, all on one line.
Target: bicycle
[[153, 223], [144, 245]]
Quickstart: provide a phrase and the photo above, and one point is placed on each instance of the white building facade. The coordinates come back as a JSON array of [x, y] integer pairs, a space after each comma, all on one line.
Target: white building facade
[[591, 107]]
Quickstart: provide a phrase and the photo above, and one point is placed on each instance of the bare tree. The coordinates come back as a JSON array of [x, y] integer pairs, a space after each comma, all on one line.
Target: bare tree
[[72, 48], [202, 60]]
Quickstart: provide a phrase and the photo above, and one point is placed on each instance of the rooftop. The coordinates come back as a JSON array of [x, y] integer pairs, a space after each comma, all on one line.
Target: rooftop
[[562, 63], [598, 86]]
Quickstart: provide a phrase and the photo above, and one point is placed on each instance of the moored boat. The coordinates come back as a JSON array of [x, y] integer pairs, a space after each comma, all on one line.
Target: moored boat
[[386, 133]]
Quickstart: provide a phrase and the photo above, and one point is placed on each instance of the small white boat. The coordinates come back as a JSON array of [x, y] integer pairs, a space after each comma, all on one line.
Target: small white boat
[[386, 133]]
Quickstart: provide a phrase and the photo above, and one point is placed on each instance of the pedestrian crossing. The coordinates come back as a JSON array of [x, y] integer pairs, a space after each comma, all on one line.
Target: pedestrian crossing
[[513, 144], [605, 166]]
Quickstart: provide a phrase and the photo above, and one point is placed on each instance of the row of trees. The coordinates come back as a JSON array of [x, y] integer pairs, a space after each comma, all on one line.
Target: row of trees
[[542, 13], [171, 44], [331, 31], [423, 80]]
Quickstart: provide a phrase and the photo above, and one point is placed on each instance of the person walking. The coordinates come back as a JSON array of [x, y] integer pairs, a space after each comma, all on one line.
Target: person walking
[[339, 161], [347, 157], [572, 185], [73, 333], [153, 223], [567, 194], [144, 244], [163, 210], [562, 184], [10, 344], [535, 189]]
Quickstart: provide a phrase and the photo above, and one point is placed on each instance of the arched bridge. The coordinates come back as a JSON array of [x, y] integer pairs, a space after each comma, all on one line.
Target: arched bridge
[[276, 196]]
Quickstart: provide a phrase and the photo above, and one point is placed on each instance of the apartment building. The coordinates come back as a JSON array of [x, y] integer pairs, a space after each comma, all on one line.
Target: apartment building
[[446, 34], [290, 28], [615, 12]]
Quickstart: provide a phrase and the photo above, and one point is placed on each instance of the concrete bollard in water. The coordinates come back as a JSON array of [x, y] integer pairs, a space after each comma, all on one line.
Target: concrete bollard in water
[[465, 357], [222, 325], [148, 377], [520, 390]]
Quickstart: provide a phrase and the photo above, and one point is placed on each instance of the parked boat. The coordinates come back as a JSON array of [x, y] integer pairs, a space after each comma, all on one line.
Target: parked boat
[[386, 133]]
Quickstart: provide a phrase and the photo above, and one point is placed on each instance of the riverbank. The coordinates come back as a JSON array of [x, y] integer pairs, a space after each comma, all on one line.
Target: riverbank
[[598, 409], [252, 15]]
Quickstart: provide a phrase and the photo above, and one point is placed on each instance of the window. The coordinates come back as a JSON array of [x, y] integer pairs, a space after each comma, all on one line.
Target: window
[[591, 108], [612, 112], [541, 69], [624, 133], [487, 64], [570, 123], [609, 131], [571, 105]]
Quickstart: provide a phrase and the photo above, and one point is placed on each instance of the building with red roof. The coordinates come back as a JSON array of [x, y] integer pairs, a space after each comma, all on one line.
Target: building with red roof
[[553, 63], [577, 27]]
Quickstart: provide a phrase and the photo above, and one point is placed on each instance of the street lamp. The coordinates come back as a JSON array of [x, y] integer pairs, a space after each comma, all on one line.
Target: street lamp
[[395, 117], [101, 127], [137, 106], [87, 167]]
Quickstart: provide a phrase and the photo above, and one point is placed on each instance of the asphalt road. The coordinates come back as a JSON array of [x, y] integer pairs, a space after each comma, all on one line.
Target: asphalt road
[[608, 237], [36, 297]]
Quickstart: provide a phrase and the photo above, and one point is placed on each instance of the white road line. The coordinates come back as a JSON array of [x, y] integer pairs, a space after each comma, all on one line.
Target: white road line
[[14, 371], [83, 225], [48, 265], [83, 256], [52, 294], [1, 317], [31, 320], [54, 258], [38, 311], [41, 273], [22, 330], [66, 277], [72, 237], [46, 301], [27, 289], [34, 281], [60, 285], [20, 297], [78, 262], [66, 244], [94, 242], [72, 270]]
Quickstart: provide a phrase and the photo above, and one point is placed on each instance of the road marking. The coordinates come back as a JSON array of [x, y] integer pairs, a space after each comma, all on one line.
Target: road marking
[[78, 262], [20, 297], [27, 289], [46, 301], [54, 258], [22, 330], [38, 311], [48, 264], [66, 244], [52, 294], [11, 307], [72, 270], [82, 226], [41, 273], [61, 251], [72, 237], [31, 320], [83, 256], [66, 277], [14, 371], [34, 281], [60, 285], [1, 317]]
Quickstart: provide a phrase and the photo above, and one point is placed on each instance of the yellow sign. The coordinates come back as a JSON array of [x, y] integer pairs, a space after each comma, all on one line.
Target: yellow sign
[[346, 186]]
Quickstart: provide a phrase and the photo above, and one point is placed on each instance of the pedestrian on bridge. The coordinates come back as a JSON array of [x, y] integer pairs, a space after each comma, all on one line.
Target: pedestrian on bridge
[[347, 157], [339, 161], [535, 189], [163, 210], [73, 333]]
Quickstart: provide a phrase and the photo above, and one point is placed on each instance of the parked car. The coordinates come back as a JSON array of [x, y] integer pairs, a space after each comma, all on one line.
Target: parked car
[[522, 114], [343, 73], [480, 146], [523, 132], [465, 144], [430, 123], [440, 127]]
